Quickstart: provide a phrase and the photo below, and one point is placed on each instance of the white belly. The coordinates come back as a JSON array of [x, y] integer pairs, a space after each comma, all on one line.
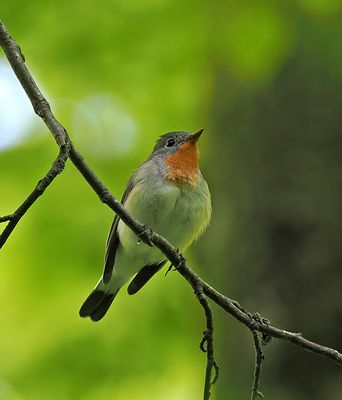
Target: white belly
[[180, 214]]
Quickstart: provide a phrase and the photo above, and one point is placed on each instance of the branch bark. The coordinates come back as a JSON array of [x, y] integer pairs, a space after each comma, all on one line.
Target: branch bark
[[256, 394], [207, 343], [202, 289]]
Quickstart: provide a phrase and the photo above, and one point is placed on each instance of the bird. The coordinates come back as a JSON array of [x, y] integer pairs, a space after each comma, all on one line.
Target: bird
[[166, 193]]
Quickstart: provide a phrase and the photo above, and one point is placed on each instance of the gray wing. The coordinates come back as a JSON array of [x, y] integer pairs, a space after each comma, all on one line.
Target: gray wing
[[113, 237]]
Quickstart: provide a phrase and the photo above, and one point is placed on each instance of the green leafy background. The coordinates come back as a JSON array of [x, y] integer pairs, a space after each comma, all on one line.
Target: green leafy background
[[265, 81]]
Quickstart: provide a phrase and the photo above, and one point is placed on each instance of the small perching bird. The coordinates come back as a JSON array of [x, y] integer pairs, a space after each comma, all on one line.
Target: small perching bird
[[167, 193]]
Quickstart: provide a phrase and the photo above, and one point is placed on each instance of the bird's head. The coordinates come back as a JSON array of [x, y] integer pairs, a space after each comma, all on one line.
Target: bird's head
[[180, 153]]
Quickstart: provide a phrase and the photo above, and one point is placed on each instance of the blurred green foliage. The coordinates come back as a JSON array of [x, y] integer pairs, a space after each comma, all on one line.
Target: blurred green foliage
[[264, 78]]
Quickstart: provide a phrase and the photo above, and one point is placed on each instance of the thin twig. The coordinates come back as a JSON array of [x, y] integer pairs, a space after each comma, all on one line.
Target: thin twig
[[207, 343], [256, 394], [6, 218], [296, 338], [55, 169], [42, 108]]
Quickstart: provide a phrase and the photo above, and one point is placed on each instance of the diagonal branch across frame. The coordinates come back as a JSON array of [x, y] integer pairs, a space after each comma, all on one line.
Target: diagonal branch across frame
[[201, 288]]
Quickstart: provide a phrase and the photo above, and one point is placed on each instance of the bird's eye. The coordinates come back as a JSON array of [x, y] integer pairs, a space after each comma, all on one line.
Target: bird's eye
[[170, 143]]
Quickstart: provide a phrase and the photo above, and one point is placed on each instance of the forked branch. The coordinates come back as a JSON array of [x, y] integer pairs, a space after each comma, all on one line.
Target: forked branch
[[13, 219]]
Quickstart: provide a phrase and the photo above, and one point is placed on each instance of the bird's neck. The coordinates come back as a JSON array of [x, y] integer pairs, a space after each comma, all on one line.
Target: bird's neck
[[183, 165]]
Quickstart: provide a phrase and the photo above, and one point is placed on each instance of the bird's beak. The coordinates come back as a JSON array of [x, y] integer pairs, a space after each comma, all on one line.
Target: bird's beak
[[195, 136]]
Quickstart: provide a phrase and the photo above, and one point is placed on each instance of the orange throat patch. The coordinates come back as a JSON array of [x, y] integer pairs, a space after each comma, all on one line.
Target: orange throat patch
[[183, 164]]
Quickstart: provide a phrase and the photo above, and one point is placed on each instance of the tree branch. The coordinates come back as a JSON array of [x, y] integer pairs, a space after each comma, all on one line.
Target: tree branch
[[256, 394], [56, 168], [207, 342], [252, 321]]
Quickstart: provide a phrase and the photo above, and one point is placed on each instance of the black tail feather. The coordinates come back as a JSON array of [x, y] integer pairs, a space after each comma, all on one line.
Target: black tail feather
[[103, 307], [97, 304], [92, 302]]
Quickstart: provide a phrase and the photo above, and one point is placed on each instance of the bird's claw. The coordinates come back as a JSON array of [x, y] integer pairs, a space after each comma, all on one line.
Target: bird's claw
[[169, 269], [180, 264], [145, 235], [182, 260]]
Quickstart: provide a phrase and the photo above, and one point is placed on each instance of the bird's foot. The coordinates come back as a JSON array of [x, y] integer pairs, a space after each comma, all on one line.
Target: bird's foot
[[145, 235], [179, 265], [169, 269], [182, 260]]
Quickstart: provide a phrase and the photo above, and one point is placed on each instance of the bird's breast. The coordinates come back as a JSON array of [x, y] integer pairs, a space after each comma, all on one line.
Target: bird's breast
[[178, 212], [183, 165]]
